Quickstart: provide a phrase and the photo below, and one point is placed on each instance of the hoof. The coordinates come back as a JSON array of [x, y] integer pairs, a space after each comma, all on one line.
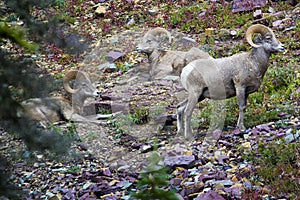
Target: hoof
[[189, 136], [242, 128]]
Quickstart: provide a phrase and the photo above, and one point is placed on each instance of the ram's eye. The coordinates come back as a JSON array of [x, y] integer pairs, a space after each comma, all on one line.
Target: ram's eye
[[268, 38]]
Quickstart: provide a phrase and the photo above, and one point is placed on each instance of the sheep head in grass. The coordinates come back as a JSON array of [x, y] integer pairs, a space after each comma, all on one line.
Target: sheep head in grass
[[82, 88], [153, 40], [238, 75], [166, 62], [53, 109]]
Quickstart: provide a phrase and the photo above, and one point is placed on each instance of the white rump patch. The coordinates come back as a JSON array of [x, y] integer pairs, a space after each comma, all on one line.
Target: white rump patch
[[185, 72]]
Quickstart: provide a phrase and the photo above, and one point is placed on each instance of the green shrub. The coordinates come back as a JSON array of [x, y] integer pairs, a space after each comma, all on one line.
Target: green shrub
[[140, 115], [277, 165], [153, 178]]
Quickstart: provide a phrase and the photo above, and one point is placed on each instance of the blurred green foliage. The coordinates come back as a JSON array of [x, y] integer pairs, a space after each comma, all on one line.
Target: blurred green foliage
[[154, 177], [277, 166]]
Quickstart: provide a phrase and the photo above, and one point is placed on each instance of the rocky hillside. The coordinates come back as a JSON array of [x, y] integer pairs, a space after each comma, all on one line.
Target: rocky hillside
[[125, 155]]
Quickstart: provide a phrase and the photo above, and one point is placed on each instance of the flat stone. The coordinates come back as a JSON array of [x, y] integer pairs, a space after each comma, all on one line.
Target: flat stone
[[152, 11], [171, 78], [205, 177], [100, 10], [113, 56], [226, 183], [277, 23], [146, 148], [180, 160], [257, 14], [233, 32], [210, 195], [188, 40], [107, 67]]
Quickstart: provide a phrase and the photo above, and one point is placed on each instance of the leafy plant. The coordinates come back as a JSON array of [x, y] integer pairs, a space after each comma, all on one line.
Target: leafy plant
[[124, 66], [140, 115], [60, 3], [74, 169], [153, 178], [121, 124], [277, 166], [104, 111], [159, 109]]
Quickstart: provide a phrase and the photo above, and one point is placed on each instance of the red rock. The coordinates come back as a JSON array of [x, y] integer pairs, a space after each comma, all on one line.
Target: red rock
[[210, 195]]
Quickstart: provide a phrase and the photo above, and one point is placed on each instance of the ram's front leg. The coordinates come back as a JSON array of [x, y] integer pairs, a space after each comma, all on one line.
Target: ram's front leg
[[242, 101]]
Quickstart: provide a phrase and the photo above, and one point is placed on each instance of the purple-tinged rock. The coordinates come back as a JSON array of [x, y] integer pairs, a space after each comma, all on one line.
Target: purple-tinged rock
[[106, 172], [254, 132], [164, 82], [237, 132], [263, 127], [192, 187], [180, 160], [202, 14], [221, 159], [277, 23], [70, 195], [234, 191], [63, 190], [175, 181], [217, 134], [210, 195], [257, 14], [280, 133], [97, 179], [109, 97], [226, 143], [84, 196], [205, 177], [245, 5], [113, 56]]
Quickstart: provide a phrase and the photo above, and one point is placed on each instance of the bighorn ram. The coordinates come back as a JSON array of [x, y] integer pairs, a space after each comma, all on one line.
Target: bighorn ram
[[166, 62], [53, 109], [238, 75]]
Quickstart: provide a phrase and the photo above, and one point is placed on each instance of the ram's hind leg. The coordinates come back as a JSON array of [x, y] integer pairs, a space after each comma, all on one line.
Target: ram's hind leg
[[180, 111], [192, 101]]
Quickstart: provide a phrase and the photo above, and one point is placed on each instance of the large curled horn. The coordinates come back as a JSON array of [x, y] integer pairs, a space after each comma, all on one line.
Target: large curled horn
[[158, 30], [257, 28], [71, 75]]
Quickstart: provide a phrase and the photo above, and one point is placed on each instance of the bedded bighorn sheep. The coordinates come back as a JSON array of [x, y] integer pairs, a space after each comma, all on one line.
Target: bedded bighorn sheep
[[238, 75], [166, 62], [53, 109]]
